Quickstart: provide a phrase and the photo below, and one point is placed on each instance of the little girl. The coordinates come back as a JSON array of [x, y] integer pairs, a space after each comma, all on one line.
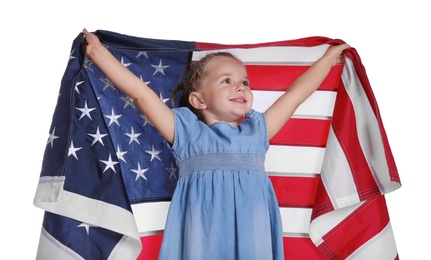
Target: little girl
[[224, 206]]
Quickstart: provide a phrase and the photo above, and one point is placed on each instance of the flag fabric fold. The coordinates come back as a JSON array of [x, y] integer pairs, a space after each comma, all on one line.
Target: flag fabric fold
[[107, 175]]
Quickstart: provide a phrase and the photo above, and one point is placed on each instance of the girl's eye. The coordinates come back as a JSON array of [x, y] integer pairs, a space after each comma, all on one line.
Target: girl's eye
[[245, 83], [226, 81]]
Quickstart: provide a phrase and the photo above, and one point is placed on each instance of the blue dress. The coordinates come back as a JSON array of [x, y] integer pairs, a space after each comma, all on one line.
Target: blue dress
[[224, 206]]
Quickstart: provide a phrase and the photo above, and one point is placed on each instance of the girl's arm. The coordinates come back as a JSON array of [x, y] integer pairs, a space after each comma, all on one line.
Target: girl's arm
[[146, 99], [284, 107]]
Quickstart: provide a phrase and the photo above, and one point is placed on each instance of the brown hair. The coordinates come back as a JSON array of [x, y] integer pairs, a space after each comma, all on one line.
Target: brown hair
[[192, 80]]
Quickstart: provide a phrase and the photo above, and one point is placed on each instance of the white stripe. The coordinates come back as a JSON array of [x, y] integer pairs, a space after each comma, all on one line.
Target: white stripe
[[325, 223], [294, 159], [125, 249], [52, 249], [295, 221], [337, 176], [368, 130], [271, 55], [382, 246], [51, 197], [319, 105], [150, 216]]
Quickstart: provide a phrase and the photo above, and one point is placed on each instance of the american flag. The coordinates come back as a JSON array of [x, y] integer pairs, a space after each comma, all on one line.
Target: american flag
[[107, 175]]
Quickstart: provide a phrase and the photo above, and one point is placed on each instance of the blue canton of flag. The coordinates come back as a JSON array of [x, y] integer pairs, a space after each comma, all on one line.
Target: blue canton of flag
[[103, 154]]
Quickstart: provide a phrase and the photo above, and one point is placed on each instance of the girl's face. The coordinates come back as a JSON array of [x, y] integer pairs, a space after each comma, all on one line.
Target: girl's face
[[225, 91]]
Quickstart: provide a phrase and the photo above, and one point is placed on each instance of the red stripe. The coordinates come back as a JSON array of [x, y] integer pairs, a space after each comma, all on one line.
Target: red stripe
[[309, 41], [344, 126], [279, 77], [303, 132], [322, 203], [300, 248], [294, 248], [361, 73], [295, 191], [150, 247], [355, 230]]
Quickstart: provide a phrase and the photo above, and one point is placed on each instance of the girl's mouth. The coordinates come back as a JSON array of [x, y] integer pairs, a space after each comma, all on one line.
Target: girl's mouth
[[241, 100]]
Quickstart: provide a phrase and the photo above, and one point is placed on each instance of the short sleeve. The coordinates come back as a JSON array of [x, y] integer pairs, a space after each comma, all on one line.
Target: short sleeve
[[186, 123], [260, 120]]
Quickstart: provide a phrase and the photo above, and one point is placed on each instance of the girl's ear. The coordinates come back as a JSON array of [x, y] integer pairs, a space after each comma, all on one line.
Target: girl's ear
[[196, 101]]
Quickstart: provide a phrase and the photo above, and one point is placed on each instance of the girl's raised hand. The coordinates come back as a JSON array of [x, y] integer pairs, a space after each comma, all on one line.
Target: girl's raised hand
[[335, 54], [92, 42]]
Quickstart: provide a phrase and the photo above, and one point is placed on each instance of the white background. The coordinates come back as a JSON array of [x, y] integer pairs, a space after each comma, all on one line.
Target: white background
[[391, 38]]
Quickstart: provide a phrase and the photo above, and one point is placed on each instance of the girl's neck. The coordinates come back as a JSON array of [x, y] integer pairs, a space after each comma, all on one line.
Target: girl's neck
[[209, 121]]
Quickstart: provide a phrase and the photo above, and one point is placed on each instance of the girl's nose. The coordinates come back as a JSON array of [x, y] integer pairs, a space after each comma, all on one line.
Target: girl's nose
[[240, 88]]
